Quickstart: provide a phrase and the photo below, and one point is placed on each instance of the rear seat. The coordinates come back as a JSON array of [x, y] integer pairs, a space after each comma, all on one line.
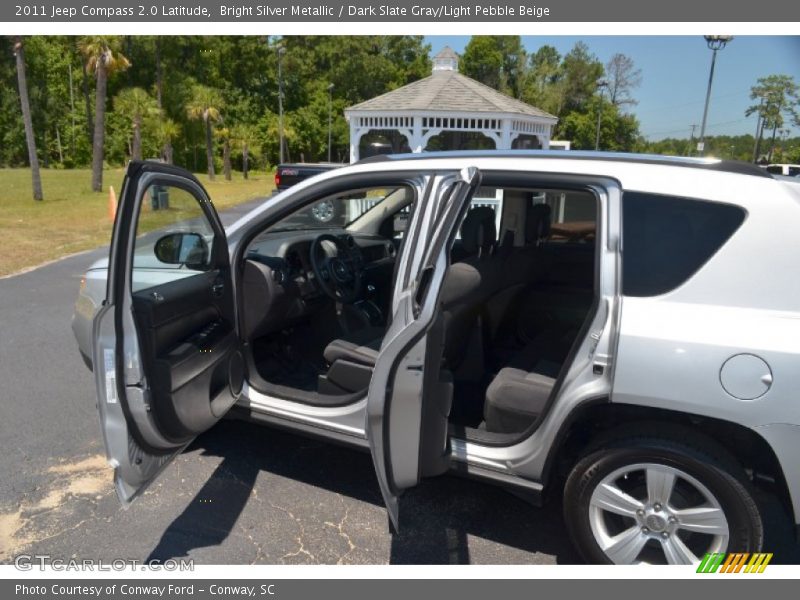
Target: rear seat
[[548, 319], [532, 343], [520, 391]]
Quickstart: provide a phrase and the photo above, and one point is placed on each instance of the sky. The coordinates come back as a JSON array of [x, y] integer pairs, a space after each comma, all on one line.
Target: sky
[[675, 76]]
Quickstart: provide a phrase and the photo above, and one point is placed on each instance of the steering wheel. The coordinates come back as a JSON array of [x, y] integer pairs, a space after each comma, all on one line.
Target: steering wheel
[[339, 276]]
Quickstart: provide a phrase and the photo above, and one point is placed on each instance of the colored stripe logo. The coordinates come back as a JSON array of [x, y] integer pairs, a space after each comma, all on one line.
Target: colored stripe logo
[[734, 562]]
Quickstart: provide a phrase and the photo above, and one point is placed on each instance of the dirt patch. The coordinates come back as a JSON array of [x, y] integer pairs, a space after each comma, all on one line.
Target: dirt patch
[[54, 512], [10, 524], [96, 462]]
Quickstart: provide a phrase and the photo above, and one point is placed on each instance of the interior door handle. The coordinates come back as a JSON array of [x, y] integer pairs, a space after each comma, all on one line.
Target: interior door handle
[[218, 289]]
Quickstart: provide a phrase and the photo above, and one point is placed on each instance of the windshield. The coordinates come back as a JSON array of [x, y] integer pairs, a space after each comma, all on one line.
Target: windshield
[[335, 212]]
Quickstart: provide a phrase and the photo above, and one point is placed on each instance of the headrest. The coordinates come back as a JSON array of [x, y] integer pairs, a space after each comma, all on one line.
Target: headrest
[[537, 223], [478, 231]]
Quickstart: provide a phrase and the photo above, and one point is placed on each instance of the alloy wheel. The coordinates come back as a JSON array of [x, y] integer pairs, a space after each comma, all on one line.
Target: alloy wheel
[[654, 513]]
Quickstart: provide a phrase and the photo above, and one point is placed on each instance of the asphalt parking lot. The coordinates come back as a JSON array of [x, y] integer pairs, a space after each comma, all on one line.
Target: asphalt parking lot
[[241, 493]]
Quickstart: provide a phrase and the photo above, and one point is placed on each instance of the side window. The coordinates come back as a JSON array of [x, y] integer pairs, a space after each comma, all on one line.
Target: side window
[[174, 238], [338, 211], [668, 239]]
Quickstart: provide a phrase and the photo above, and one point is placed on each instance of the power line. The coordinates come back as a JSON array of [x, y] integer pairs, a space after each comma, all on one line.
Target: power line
[[685, 104], [711, 126]]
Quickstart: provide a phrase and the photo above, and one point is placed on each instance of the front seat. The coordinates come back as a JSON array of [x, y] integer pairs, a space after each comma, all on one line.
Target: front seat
[[468, 284]]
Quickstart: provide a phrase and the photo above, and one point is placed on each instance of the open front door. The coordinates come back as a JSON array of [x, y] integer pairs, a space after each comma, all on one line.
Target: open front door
[[166, 351], [409, 394]]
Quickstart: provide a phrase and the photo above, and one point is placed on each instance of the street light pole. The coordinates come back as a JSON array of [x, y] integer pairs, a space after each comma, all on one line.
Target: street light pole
[[330, 112], [715, 43], [281, 52], [602, 84]]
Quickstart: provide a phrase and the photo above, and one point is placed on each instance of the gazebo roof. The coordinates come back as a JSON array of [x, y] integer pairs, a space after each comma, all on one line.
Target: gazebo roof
[[449, 91]]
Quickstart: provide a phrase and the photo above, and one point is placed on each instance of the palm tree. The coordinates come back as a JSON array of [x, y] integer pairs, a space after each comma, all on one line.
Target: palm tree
[[168, 132], [247, 136], [103, 59], [205, 103], [137, 105], [87, 103], [224, 134], [22, 79]]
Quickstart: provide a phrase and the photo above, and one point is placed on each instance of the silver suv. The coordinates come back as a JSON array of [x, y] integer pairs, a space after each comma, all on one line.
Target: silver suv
[[620, 328]]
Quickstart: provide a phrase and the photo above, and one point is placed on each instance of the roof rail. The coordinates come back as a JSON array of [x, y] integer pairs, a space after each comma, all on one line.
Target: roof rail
[[377, 158], [709, 164]]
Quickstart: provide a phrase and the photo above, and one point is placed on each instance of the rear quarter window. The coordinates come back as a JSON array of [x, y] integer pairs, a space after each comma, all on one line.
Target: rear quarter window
[[667, 239]]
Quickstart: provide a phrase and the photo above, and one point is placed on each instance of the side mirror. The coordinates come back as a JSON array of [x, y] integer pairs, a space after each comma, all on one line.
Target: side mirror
[[189, 249]]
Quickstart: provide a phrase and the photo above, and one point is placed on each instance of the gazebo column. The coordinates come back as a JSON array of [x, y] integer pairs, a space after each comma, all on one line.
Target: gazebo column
[[355, 138], [416, 141], [505, 135]]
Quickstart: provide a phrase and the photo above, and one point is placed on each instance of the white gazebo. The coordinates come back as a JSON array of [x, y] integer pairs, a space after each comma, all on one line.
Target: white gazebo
[[451, 107]]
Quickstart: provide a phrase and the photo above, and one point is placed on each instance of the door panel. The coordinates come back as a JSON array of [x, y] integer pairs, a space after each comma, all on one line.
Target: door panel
[[409, 395], [166, 336]]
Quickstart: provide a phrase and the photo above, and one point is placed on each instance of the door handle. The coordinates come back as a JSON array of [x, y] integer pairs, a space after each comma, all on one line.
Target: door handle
[[218, 289]]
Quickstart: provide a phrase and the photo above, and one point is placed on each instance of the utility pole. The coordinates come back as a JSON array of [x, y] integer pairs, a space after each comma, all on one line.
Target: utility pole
[[691, 140], [330, 121], [715, 43], [72, 114], [601, 85], [759, 131]]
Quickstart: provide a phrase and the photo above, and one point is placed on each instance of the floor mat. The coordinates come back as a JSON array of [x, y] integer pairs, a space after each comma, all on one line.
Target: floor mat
[[278, 367], [468, 398]]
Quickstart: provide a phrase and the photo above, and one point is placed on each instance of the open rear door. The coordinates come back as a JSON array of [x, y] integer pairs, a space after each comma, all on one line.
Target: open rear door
[[409, 394], [166, 351]]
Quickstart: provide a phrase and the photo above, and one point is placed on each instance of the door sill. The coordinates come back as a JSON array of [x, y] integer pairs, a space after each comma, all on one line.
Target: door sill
[[314, 430], [531, 491], [482, 437], [305, 397]]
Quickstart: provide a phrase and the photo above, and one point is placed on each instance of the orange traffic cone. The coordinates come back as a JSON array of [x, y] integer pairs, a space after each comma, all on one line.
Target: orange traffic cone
[[112, 203]]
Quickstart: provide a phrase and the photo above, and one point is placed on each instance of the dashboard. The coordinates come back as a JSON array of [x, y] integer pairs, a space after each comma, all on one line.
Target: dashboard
[[279, 286]]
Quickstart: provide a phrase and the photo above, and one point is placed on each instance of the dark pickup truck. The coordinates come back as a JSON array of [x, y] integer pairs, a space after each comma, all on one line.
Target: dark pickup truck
[[287, 175]]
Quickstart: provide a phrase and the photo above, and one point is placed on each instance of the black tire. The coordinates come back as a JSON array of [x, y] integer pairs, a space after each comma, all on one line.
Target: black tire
[[703, 460]]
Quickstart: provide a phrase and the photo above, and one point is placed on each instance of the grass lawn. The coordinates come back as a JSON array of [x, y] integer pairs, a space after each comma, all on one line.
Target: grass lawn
[[73, 218]]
